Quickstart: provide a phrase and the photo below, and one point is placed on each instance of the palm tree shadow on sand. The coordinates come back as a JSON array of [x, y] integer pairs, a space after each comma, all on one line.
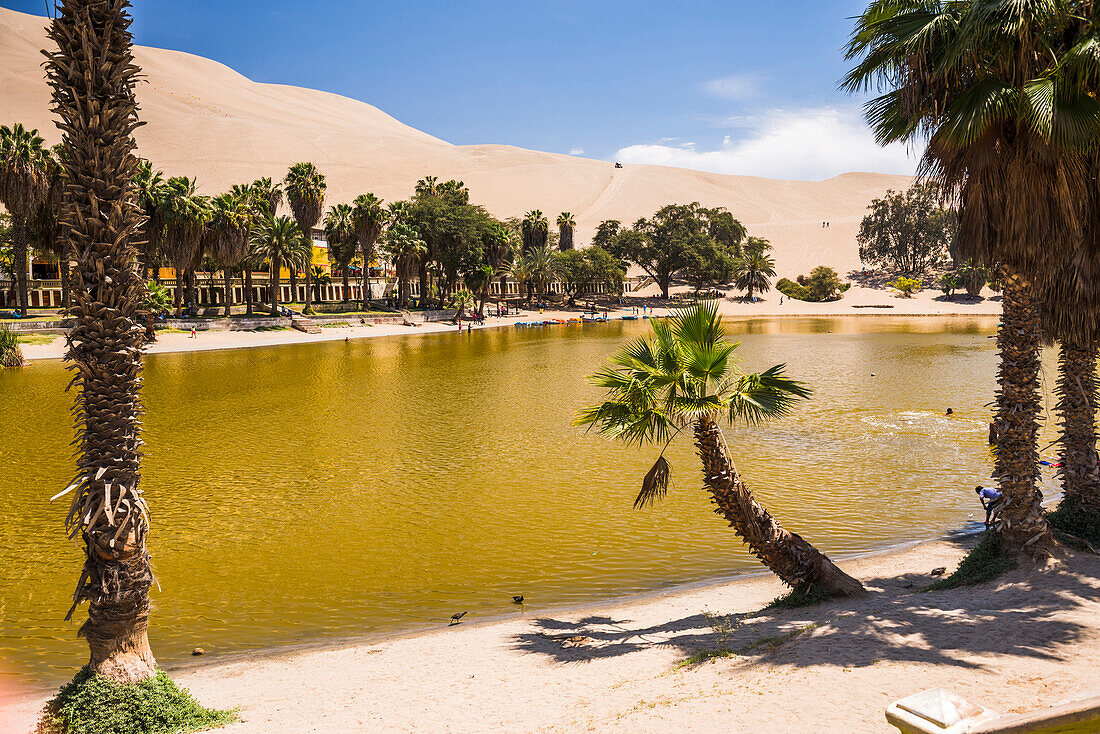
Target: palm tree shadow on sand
[[1018, 616]]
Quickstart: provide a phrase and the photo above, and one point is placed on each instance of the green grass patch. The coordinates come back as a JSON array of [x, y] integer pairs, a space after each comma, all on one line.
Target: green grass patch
[[272, 328], [37, 338], [774, 642], [1077, 521], [985, 562], [90, 704], [798, 598], [337, 325], [705, 655]]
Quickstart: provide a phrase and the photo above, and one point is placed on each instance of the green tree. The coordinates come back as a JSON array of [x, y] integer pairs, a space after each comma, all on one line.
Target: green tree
[[683, 378], [907, 287], [264, 198], [463, 300], [150, 186], [661, 244], [370, 219], [185, 215], [24, 185], [343, 243], [279, 242], [542, 269], [230, 235], [907, 231], [536, 231], [753, 272], [566, 226], [949, 283], [586, 271], [1003, 95], [406, 250], [824, 284], [973, 277], [707, 262], [606, 233], [305, 193]]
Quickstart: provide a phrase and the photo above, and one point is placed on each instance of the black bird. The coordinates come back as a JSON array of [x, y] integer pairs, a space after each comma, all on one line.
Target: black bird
[[518, 599], [456, 618]]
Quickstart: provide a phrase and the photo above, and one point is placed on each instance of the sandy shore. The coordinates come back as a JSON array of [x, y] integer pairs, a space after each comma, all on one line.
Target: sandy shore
[[1016, 645], [855, 303]]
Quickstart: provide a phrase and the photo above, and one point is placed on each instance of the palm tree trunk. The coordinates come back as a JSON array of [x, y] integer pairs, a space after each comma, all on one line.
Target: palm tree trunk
[[248, 289], [344, 293], [423, 283], [227, 273], [1076, 391], [177, 296], [274, 278], [792, 559], [293, 283], [66, 283], [19, 250], [94, 63], [309, 289], [1016, 465]]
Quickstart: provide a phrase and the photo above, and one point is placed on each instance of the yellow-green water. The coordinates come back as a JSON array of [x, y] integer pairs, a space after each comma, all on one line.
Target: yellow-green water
[[325, 491]]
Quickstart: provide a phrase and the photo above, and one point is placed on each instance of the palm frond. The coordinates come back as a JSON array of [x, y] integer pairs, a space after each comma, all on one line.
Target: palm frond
[[764, 396], [654, 485]]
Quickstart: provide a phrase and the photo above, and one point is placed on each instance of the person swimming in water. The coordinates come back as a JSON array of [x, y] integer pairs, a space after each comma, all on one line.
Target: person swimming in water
[[950, 412], [992, 500]]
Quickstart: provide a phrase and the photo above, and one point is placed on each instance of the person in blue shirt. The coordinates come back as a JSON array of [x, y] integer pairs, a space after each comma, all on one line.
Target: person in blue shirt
[[991, 499]]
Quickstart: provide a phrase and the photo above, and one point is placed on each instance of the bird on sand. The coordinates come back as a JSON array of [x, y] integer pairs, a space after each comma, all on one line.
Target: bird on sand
[[939, 571], [517, 599], [456, 618]]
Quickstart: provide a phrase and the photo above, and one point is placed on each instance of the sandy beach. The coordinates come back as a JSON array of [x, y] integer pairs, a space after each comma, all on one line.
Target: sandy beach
[[1015, 645], [856, 302]]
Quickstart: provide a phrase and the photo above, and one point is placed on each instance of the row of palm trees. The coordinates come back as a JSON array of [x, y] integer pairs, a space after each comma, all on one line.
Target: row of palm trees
[[1007, 98]]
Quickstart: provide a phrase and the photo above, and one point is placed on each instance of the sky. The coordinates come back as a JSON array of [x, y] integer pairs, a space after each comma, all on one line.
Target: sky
[[730, 86]]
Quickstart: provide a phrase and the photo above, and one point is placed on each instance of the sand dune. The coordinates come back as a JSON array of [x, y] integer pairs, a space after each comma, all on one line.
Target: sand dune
[[206, 120]]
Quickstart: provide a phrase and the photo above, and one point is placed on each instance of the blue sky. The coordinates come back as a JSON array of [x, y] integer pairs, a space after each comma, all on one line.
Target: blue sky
[[737, 86]]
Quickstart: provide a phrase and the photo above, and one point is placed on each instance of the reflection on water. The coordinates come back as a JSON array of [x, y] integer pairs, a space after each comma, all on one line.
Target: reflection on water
[[332, 490]]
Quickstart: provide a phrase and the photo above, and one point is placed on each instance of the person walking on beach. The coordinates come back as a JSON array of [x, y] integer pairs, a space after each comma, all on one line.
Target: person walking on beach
[[194, 334]]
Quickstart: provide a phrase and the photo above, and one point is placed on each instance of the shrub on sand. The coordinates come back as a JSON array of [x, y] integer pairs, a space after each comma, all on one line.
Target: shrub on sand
[[90, 704]]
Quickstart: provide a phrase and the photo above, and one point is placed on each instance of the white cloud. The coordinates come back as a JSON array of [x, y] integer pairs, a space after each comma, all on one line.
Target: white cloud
[[576, 151], [735, 86], [809, 144]]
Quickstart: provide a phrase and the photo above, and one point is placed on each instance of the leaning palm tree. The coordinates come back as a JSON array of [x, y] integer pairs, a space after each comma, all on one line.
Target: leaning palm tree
[[305, 193], [405, 249], [370, 219], [535, 229], [566, 227], [753, 272], [1001, 93], [279, 242], [683, 378], [230, 234], [92, 74], [342, 242], [24, 185]]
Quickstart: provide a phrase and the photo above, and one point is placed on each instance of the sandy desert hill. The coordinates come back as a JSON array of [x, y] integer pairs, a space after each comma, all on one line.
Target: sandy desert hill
[[206, 120]]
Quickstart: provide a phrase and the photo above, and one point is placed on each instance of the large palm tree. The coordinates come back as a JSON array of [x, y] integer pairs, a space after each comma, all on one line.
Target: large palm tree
[[342, 242], [566, 227], [24, 185], [370, 219], [499, 252], [230, 234], [753, 272], [405, 249], [998, 91], [185, 216], [536, 230], [92, 74], [542, 269], [683, 378], [305, 193], [279, 242], [520, 271]]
